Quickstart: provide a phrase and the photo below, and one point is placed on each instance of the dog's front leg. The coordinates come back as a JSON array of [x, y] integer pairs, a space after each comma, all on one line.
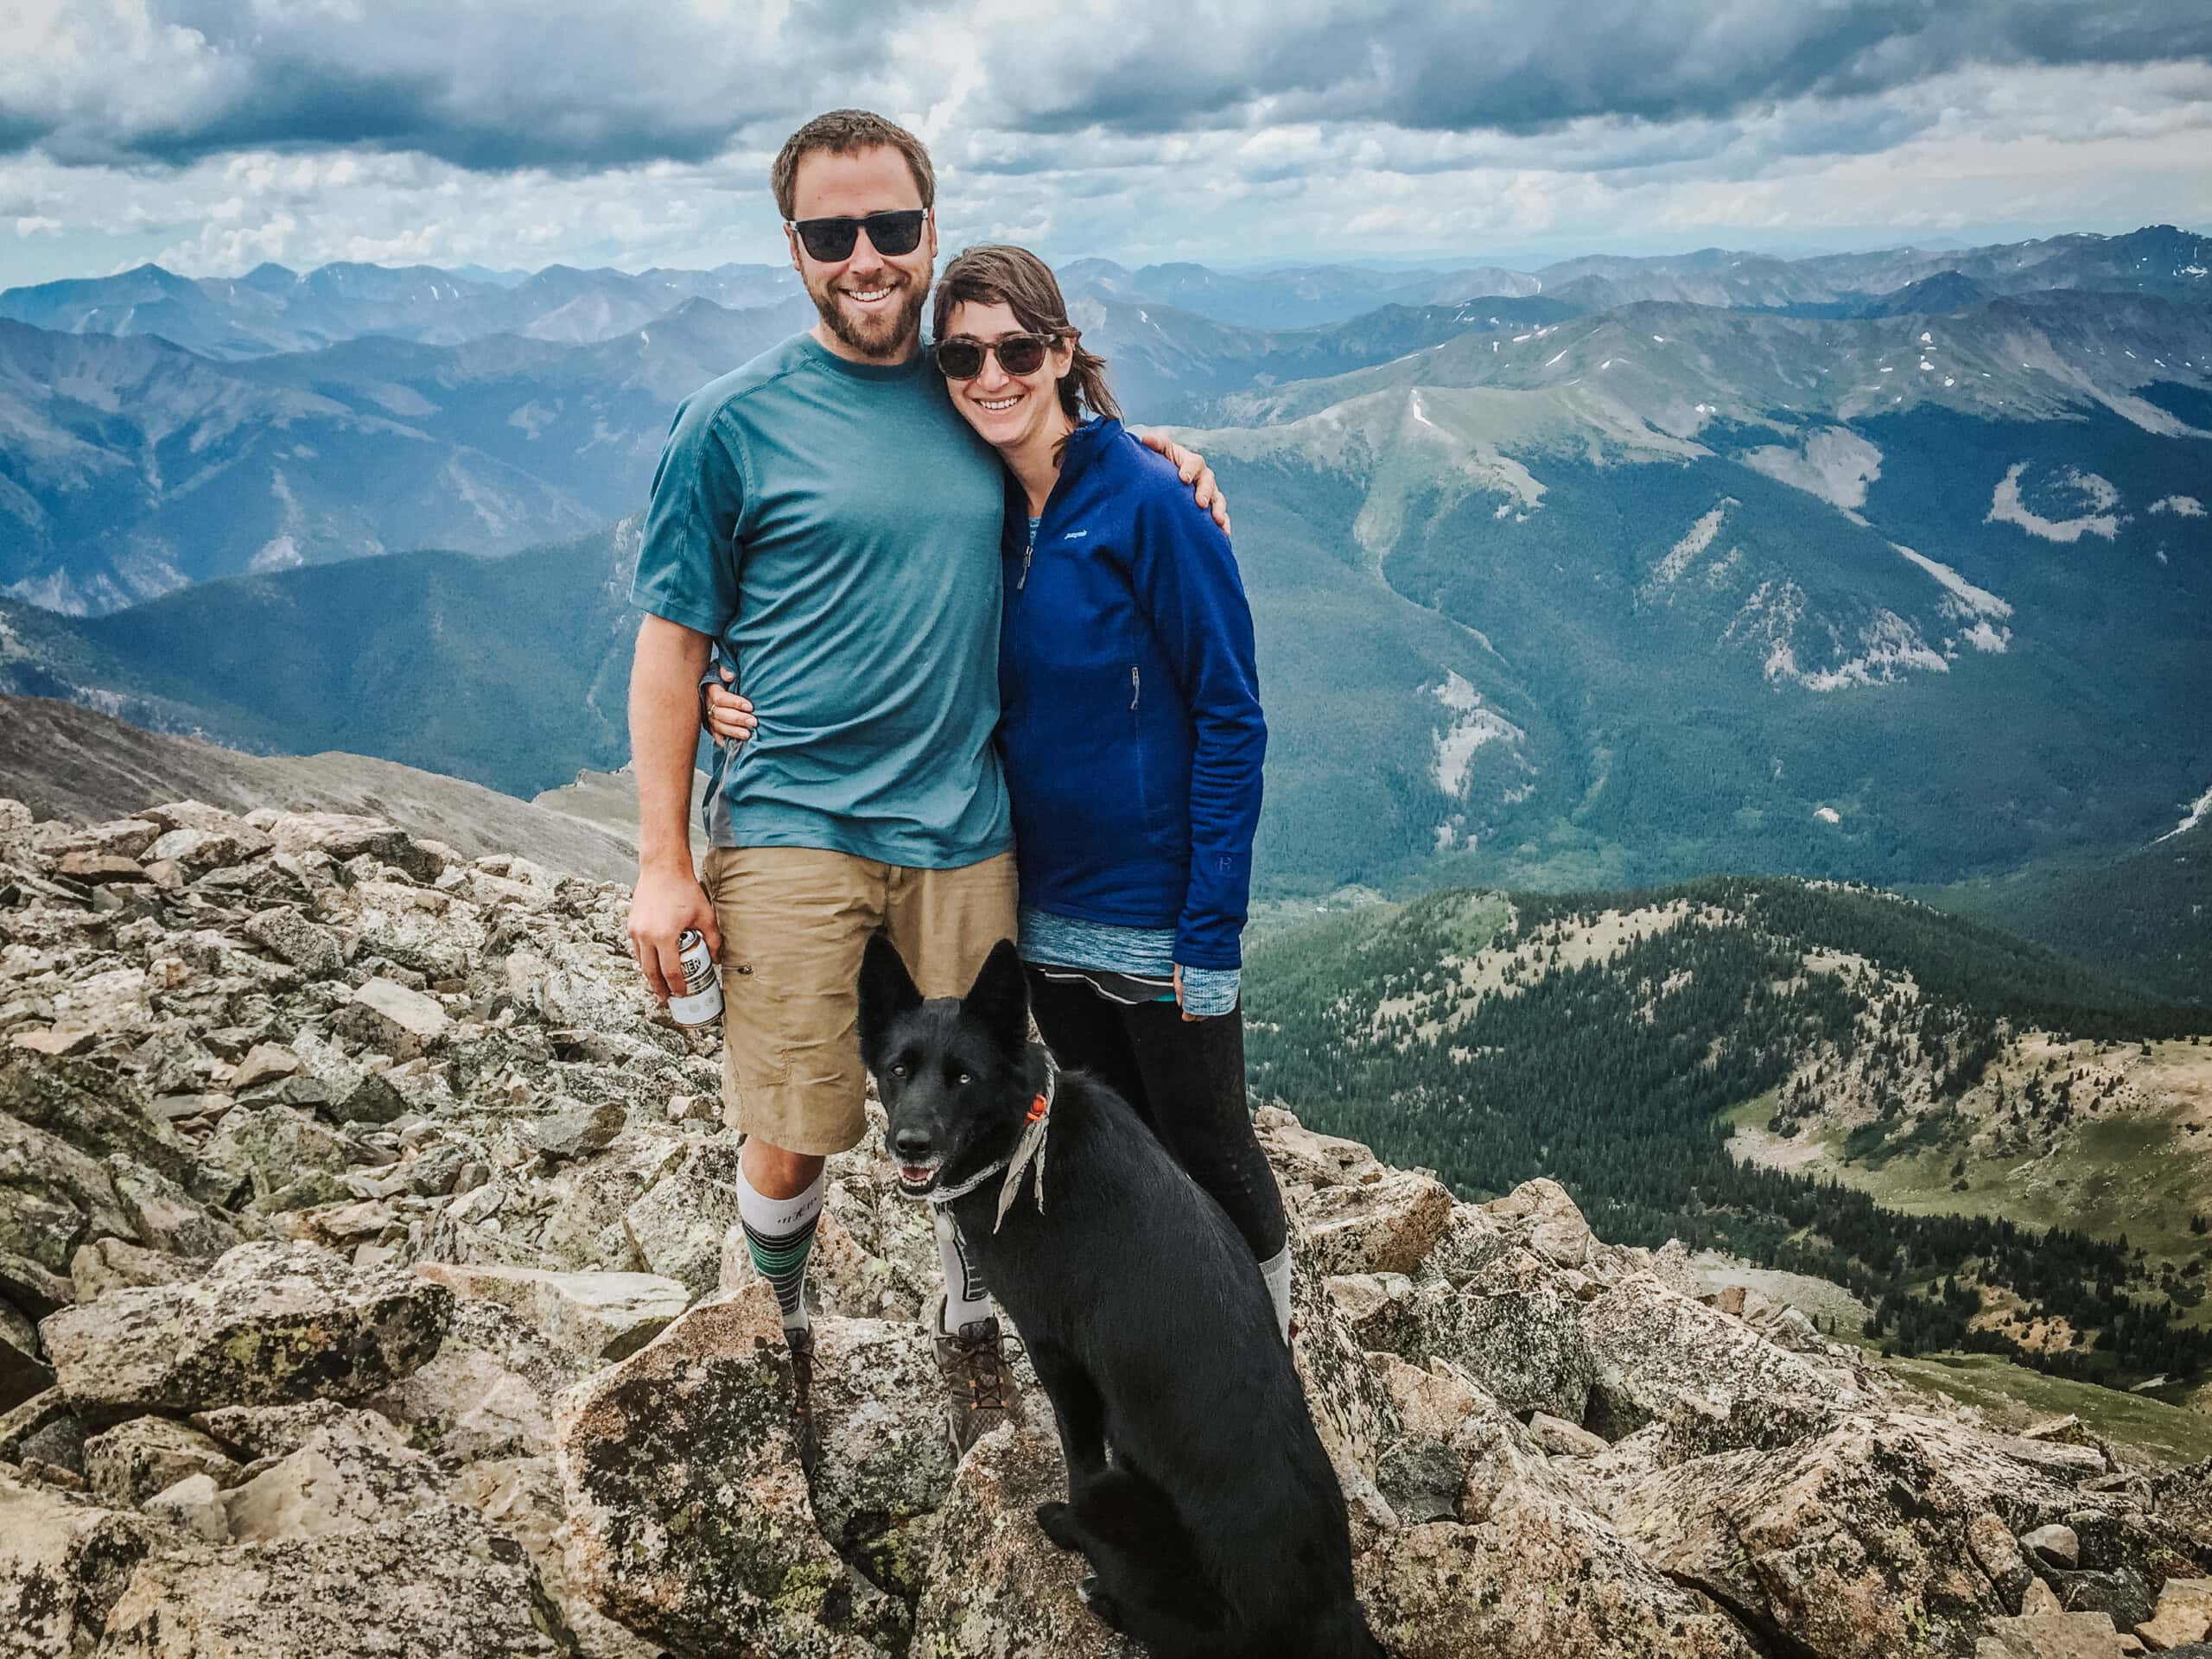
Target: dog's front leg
[[1080, 1413]]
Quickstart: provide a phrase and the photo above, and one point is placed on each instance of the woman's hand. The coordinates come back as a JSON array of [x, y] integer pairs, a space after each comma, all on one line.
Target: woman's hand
[[1192, 468], [726, 716], [1213, 990], [1189, 1018]]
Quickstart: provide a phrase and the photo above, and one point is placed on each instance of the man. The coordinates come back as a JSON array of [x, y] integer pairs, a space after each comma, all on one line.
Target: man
[[825, 515]]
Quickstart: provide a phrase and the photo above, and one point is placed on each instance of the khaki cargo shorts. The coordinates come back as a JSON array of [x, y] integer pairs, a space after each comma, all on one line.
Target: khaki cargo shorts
[[794, 921]]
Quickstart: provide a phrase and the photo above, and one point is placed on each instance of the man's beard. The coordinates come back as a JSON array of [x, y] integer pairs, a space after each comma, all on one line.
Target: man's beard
[[884, 335]]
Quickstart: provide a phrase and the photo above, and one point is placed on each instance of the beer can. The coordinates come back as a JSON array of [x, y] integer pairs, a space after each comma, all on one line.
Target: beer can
[[701, 1002]]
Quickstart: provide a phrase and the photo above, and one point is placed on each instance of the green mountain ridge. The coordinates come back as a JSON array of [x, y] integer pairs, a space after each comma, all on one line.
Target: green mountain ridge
[[1606, 1038]]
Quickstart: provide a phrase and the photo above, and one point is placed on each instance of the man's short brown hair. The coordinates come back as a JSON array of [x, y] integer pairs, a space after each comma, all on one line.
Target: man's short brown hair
[[842, 132]]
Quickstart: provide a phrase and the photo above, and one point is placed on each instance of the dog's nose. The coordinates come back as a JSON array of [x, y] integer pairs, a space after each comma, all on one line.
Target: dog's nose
[[911, 1145]]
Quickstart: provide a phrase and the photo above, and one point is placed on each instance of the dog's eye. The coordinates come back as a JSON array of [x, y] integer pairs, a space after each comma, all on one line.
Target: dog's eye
[[963, 1080], [898, 1068]]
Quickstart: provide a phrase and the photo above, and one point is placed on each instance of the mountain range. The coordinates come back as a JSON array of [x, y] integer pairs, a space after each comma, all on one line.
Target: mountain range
[[131, 467], [1700, 590], [156, 430], [2159, 260], [1890, 567], [271, 309]]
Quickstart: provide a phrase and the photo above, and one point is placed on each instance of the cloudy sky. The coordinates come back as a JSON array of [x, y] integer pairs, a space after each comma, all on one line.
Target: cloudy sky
[[210, 135]]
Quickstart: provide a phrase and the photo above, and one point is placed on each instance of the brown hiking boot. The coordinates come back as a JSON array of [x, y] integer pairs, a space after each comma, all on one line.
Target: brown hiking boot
[[979, 1387], [801, 1346]]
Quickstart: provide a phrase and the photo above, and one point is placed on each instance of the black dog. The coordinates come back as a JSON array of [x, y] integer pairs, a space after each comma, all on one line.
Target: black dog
[[1218, 1529]]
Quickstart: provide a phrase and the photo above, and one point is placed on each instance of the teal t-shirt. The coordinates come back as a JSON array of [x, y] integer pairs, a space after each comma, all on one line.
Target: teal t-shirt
[[836, 527]]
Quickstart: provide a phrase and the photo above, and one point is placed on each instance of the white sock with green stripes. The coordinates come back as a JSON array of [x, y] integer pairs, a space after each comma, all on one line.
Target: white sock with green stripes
[[779, 1234]]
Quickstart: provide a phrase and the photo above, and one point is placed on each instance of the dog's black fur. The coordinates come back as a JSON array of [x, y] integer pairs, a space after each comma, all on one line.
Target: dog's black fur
[[1218, 1529]]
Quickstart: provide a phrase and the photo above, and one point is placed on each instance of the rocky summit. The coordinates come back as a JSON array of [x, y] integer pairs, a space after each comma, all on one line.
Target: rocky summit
[[365, 1289]]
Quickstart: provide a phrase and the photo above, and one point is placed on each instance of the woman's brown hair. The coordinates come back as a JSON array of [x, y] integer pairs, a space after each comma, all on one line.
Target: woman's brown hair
[[1018, 279]]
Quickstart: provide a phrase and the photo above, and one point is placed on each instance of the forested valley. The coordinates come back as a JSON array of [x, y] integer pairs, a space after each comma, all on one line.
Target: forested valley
[[1598, 1039]]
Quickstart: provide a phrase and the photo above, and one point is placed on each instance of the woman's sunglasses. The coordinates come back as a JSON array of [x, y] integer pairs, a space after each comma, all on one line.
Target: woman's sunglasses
[[890, 234], [962, 358]]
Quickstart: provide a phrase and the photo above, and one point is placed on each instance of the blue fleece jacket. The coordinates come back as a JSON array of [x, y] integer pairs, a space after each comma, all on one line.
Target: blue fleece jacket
[[1130, 730]]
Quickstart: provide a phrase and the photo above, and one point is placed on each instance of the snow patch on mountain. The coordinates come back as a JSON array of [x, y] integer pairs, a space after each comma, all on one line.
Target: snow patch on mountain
[[1473, 724], [1835, 464], [1770, 616], [1889, 645], [55, 591], [277, 553], [2182, 507], [534, 416], [2200, 809], [1686, 552], [2006, 507], [1964, 602], [282, 550], [496, 509], [2102, 493]]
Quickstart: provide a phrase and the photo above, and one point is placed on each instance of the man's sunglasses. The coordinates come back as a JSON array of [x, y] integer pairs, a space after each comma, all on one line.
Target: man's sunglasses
[[962, 358], [889, 234]]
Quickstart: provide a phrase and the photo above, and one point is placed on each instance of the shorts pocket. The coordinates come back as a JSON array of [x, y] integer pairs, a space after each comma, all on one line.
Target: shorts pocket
[[794, 922]]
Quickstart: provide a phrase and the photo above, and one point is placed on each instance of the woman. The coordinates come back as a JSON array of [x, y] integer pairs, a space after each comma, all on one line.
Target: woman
[[1131, 733]]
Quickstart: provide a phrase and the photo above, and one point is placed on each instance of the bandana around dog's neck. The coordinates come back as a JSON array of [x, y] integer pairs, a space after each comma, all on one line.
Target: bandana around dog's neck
[[1029, 1149]]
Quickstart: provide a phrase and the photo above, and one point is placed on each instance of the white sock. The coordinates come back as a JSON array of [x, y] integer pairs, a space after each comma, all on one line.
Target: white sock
[[966, 1301], [779, 1234], [1276, 1271]]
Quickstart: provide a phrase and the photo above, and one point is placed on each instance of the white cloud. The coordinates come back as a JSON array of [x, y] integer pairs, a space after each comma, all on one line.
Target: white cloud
[[570, 131]]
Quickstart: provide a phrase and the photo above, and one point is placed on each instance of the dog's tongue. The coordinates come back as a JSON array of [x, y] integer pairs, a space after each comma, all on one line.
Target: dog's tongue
[[913, 1175]]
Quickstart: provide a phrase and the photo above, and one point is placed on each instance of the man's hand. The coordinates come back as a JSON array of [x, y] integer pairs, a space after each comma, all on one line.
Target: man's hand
[[726, 716], [1192, 468], [664, 734], [665, 902]]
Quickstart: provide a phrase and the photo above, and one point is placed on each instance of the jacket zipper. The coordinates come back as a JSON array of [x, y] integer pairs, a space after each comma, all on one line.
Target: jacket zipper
[[1136, 686], [1028, 554]]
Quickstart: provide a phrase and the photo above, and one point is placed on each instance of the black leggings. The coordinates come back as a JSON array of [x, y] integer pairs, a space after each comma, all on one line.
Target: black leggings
[[1186, 1079]]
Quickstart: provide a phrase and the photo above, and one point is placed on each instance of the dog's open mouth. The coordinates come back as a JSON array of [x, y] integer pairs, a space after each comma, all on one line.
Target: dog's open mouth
[[915, 1179]]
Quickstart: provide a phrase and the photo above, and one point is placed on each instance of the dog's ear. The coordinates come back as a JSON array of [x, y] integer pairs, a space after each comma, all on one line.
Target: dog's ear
[[886, 991], [999, 998]]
